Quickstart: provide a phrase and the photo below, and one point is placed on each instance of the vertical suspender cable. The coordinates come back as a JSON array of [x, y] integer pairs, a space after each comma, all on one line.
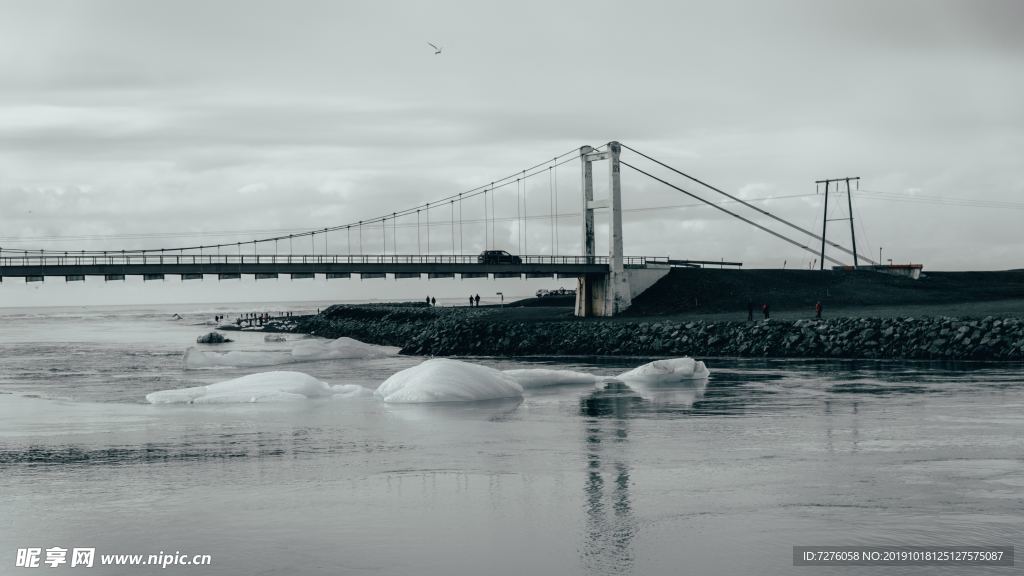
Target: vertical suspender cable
[[519, 222], [551, 198], [525, 217], [556, 206]]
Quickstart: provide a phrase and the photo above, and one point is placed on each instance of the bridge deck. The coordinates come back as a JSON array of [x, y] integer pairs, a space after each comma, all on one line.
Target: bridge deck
[[139, 264]]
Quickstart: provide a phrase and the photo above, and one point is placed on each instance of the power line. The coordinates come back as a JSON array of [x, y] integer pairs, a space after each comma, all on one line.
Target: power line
[[941, 200]]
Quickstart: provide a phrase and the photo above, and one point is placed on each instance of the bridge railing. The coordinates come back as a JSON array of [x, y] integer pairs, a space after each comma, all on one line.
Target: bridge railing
[[128, 259]]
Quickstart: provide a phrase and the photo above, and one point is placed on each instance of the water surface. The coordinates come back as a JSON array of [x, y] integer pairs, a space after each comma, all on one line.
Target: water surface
[[722, 477]]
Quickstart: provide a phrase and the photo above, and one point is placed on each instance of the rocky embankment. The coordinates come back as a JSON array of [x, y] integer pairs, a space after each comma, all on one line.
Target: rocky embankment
[[442, 332]]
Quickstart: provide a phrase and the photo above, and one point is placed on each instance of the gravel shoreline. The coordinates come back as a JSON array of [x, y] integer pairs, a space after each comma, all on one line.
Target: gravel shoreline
[[421, 330]]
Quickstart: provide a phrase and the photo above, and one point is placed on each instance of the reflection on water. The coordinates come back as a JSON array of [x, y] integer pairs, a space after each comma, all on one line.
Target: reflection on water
[[622, 400], [844, 416], [610, 525], [607, 411]]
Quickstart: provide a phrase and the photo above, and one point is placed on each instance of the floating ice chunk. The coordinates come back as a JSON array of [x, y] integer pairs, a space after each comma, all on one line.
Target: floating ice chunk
[[666, 371], [445, 380], [345, 391], [275, 338], [302, 351], [262, 387], [196, 357], [341, 348], [539, 377]]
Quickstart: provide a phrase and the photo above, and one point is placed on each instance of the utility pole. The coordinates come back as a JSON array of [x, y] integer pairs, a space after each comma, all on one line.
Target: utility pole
[[849, 205]]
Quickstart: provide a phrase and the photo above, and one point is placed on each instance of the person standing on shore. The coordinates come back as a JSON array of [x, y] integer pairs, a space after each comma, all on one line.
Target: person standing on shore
[[764, 308], [428, 300], [750, 310], [817, 311], [477, 300], [433, 301]]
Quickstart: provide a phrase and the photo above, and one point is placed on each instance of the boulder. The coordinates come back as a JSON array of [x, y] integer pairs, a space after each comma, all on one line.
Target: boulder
[[212, 338]]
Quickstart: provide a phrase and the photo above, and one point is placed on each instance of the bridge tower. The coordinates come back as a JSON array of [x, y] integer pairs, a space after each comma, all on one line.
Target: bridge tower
[[603, 295]]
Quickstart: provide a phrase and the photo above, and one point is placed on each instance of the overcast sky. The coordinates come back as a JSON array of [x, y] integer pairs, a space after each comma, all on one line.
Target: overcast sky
[[127, 124]]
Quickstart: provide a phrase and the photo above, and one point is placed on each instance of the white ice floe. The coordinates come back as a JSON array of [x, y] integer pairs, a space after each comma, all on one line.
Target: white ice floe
[[344, 347], [540, 377], [434, 380], [445, 380], [262, 387], [301, 351], [196, 357], [666, 371]]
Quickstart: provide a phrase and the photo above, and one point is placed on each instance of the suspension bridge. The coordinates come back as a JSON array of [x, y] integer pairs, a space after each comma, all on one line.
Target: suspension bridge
[[374, 248]]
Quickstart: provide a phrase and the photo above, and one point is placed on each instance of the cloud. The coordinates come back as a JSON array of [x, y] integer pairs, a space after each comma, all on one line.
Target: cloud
[[128, 125]]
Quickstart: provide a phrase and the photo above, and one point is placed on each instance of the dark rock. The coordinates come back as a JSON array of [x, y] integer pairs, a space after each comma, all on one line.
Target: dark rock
[[433, 331], [213, 338]]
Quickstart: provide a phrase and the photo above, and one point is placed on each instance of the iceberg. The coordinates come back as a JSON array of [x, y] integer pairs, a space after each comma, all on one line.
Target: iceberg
[[263, 387], [344, 347], [196, 357], [445, 380], [302, 351], [666, 371], [539, 377]]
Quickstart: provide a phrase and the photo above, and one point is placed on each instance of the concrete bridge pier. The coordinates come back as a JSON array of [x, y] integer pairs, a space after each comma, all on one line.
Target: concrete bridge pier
[[593, 293], [603, 294]]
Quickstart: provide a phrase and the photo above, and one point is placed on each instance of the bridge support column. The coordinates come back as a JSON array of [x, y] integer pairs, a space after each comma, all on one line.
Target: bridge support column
[[610, 294]]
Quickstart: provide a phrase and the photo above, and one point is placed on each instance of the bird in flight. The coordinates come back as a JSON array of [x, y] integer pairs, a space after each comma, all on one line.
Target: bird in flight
[[437, 49]]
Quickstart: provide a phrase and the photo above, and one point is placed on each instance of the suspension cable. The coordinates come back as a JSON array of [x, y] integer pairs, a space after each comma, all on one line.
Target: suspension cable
[[747, 204], [733, 214], [572, 155]]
